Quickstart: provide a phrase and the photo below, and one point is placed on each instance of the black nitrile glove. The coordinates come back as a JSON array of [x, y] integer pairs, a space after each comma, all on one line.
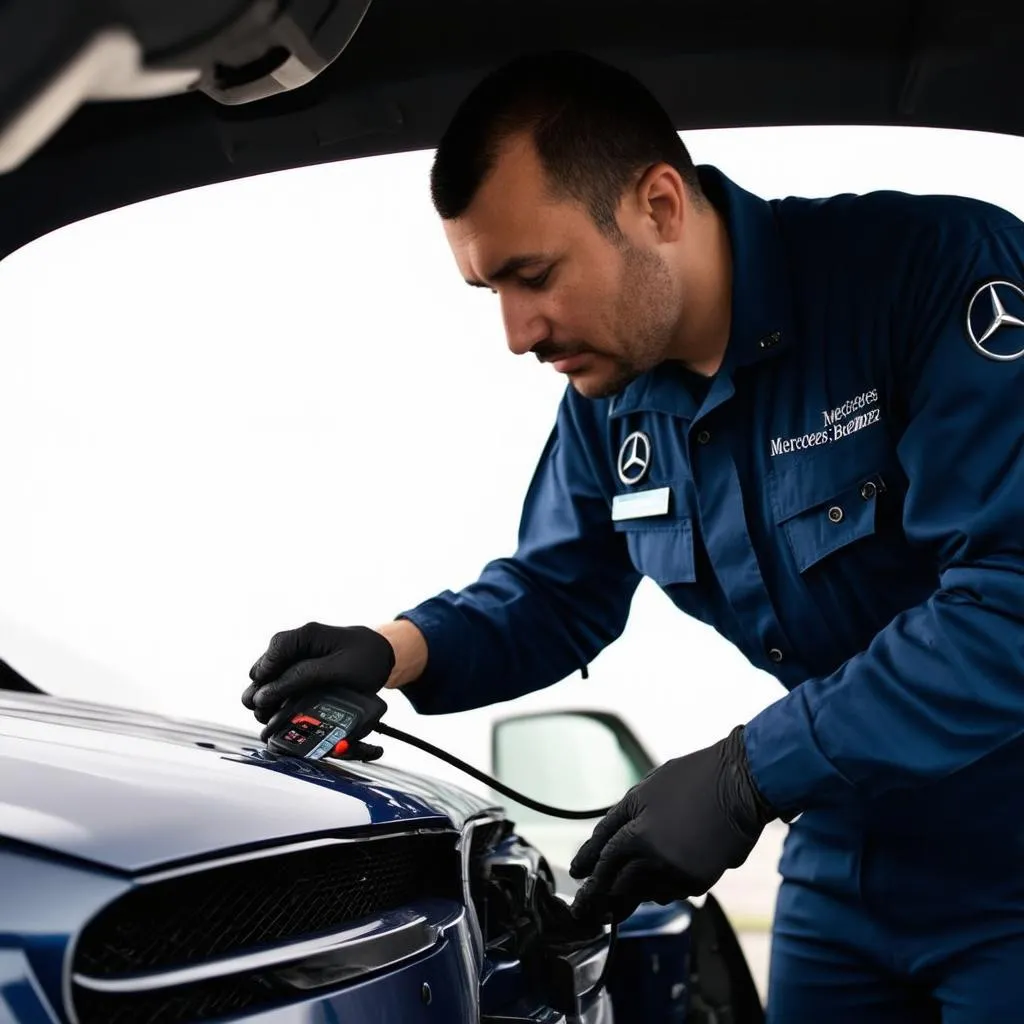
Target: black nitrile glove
[[316, 657], [674, 834]]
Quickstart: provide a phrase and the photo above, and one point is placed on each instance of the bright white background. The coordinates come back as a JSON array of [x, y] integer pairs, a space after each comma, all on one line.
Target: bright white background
[[231, 411]]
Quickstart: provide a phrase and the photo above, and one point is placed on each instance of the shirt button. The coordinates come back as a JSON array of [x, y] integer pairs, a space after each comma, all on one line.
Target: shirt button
[[868, 490], [703, 437], [835, 514], [775, 654]]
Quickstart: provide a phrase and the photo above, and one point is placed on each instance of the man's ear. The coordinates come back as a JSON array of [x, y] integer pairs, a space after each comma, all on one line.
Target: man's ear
[[662, 201]]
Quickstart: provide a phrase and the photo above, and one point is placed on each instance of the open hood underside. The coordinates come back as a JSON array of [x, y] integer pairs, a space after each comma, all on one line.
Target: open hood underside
[[939, 63]]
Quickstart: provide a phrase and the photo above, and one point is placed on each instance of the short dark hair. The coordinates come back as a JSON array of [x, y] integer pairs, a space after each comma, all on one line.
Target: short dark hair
[[595, 128]]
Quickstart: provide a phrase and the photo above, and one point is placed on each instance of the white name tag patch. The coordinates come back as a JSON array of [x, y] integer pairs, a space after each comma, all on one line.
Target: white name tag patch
[[640, 504]]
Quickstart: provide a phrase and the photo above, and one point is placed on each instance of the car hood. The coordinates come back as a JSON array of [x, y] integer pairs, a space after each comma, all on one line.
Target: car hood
[[132, 791]]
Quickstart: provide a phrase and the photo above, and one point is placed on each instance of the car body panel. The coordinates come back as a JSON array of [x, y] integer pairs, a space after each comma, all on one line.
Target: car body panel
[[21, 998], [130, 792], [94, 799]]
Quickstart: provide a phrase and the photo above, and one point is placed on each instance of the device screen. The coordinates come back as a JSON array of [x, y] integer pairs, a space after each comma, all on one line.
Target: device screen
[[335, 715], [315, 731]]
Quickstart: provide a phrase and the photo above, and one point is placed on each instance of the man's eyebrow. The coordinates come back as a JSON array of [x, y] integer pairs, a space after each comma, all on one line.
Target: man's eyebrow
[[511, 266]]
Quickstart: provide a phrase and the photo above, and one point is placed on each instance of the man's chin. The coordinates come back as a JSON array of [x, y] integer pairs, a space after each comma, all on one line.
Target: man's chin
[[591, 384]]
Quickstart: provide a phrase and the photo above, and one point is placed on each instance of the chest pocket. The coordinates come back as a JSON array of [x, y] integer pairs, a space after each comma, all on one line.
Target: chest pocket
[[661, 547], [824, 504]]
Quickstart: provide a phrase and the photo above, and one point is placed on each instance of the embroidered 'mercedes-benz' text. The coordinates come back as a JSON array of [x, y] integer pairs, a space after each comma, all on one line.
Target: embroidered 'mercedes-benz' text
[[841, 421]]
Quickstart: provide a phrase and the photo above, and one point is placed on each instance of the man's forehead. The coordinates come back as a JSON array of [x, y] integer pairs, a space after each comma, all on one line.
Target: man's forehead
[[514, 191], [516, 164], [484, 245], [488, 256], [513, 216]]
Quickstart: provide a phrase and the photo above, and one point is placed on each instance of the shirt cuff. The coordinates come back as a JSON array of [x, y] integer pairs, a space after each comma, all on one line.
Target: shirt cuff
[[438, 691], [788, 766]]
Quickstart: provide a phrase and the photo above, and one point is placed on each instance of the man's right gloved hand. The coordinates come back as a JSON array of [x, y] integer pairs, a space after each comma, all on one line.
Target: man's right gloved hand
[[316, 657]]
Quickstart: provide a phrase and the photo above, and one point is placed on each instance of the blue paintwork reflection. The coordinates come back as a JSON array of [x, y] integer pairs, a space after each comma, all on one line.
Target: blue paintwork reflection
[[91, 796]]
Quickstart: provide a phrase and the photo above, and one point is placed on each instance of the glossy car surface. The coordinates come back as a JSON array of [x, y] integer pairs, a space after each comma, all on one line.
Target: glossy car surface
[[161, 870]]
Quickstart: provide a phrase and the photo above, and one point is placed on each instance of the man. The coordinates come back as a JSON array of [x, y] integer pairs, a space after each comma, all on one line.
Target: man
[[805, 421]]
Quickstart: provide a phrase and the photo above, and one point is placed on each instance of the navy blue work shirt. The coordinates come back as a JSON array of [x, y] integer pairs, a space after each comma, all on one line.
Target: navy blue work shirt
[[845, 503]]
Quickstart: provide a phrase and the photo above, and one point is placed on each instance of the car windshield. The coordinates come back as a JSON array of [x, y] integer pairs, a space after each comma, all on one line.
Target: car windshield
[[234, 410]]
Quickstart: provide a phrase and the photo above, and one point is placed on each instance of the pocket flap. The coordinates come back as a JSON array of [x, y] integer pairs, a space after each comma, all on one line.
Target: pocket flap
[[825, 503], [663, 551], [812, 481], [829, 525], [661, 546]]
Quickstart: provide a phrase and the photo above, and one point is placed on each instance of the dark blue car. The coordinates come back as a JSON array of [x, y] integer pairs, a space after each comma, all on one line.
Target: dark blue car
[[155, 871]]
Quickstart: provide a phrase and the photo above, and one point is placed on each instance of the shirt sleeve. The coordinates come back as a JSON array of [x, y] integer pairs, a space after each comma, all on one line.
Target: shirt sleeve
[[544, 613], [943, 684]]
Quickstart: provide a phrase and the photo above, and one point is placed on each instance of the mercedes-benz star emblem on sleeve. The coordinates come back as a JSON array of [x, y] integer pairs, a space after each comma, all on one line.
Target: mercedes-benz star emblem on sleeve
[[634, 457], [995, 316]]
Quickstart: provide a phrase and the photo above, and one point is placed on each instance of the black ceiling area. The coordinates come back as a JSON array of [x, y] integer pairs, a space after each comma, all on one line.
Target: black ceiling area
[[713, 63]]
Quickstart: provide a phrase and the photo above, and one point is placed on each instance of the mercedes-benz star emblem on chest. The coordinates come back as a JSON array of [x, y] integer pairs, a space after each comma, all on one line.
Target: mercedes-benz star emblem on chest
[[634, 457], [995, 315]]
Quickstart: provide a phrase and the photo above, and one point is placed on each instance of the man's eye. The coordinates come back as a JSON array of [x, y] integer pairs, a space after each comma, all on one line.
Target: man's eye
[[538, 281]]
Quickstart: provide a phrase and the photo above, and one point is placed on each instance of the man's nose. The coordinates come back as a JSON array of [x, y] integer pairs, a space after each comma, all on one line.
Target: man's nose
[[525, 327]]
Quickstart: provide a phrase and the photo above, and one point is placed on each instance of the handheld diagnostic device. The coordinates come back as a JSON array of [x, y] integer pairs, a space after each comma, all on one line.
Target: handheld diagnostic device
[[322, 725]]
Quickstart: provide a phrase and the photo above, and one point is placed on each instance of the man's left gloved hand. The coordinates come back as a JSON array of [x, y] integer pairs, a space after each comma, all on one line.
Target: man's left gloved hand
[[674, 834], [316, 657]]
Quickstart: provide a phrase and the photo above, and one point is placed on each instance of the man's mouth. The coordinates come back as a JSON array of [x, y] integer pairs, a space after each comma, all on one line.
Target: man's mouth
[[569, 364]]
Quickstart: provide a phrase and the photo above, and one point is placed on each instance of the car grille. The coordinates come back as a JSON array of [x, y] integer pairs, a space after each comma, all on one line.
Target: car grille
[[207, 1001], [486, 836], [227, 910]]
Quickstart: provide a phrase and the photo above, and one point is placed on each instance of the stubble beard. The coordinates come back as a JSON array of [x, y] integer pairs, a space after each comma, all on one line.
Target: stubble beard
[[644, 322]]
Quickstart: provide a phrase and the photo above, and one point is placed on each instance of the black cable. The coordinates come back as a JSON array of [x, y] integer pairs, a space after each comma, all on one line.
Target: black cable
[[557, 812]]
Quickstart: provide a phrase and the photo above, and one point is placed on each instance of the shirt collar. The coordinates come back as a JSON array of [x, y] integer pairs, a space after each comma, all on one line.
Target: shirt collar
[[762, 315]]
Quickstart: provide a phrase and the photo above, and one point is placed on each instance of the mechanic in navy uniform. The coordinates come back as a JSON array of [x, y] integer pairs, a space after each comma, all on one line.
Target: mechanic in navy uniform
[[804, 419]]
